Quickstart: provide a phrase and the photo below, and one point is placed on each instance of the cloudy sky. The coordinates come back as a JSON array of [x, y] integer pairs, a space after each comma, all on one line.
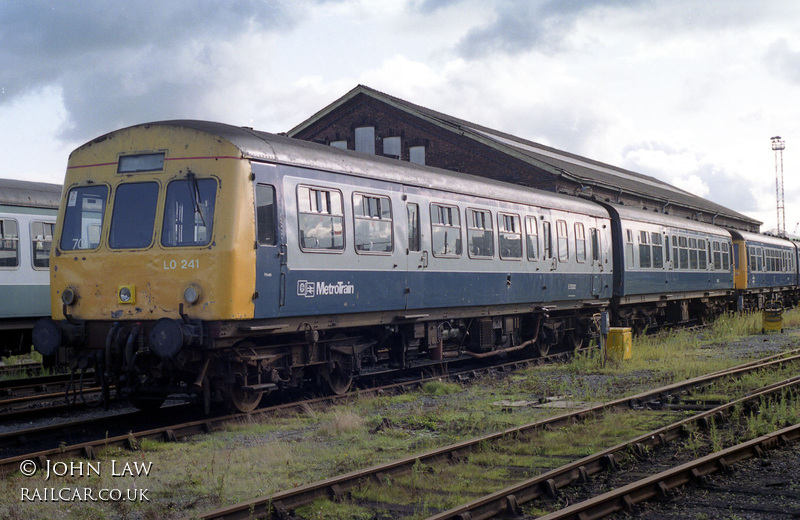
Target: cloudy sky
[[687, 91]]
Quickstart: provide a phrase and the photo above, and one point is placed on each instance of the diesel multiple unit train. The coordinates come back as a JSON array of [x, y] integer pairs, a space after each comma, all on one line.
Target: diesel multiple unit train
[[199, 257], [27, 218]]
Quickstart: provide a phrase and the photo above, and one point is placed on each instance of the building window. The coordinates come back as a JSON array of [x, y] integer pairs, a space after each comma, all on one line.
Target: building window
[[342, 145], [320, 219], [480, 238], [391, 147], [41, 241], [445, 230], [9, 243], [365, 139], [416, 154], [373, 223], [510, 235]]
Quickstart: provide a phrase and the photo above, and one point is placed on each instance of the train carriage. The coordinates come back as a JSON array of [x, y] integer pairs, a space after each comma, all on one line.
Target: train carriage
[[668, 270], [196, 256], [765, 267], [27, 218]]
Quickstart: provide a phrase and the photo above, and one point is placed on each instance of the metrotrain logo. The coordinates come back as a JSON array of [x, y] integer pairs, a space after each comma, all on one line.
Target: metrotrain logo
[[311, 289]]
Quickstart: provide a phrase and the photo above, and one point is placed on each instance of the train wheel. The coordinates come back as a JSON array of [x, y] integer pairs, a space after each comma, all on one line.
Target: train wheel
[[244, 400], [336, 380]]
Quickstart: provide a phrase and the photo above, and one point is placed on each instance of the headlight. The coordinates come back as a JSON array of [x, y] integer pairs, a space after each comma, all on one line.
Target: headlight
[[192, 294], [69, 296], [127, 294]]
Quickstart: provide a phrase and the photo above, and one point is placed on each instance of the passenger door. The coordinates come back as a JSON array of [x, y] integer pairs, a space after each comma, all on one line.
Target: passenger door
[[270, 242]]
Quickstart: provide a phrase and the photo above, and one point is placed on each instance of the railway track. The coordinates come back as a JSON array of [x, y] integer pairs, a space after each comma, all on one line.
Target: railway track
[[422, 479], [17, 369], [91, 434]]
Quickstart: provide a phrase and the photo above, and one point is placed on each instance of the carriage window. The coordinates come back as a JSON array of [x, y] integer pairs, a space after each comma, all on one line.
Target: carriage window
[[563, 240], [726, 262], [675, 253], [666, 248], [702, 261], [413, 227], [717, 256], [445, 230], [510, 236], [532, 233], [684, 252], [189, 212], [658, 255], [83, 218], [629, 247], [644, 249], [9, 243], [547, 240], [41, 242], [595, 244], [265, 215], [133, 216], [580, 243], [693, 253], [320, 219], [373, 223], [480, 238]]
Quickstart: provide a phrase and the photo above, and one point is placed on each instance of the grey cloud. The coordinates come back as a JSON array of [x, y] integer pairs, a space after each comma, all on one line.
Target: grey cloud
[[431, 6], [111, 57], [521, 26], [783, 61]]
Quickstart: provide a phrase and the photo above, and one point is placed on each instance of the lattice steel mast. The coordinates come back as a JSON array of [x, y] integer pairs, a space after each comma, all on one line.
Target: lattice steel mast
[[778, 146]]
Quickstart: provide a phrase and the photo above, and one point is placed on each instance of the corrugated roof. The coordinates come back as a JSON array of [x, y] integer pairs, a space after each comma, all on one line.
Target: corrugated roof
[[29, 194], [557, 162]]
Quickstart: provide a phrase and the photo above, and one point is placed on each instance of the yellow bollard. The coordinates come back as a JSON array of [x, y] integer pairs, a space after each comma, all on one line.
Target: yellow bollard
[[619, 343]]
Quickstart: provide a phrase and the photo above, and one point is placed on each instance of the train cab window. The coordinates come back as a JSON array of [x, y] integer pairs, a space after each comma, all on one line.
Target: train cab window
[[547, 241], [580, 242], [321, 219], [510, 236], [372, 215], [693, 261], [83, 218], [629, 248], [445, 231], [563, 240], [532, 237], [413, 226], [480, 236], [133, 216], [595, 244], [658, 250], [9, 243], [644, 249], [266, 212], [702, 253], [41, 242], [189, 212]]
